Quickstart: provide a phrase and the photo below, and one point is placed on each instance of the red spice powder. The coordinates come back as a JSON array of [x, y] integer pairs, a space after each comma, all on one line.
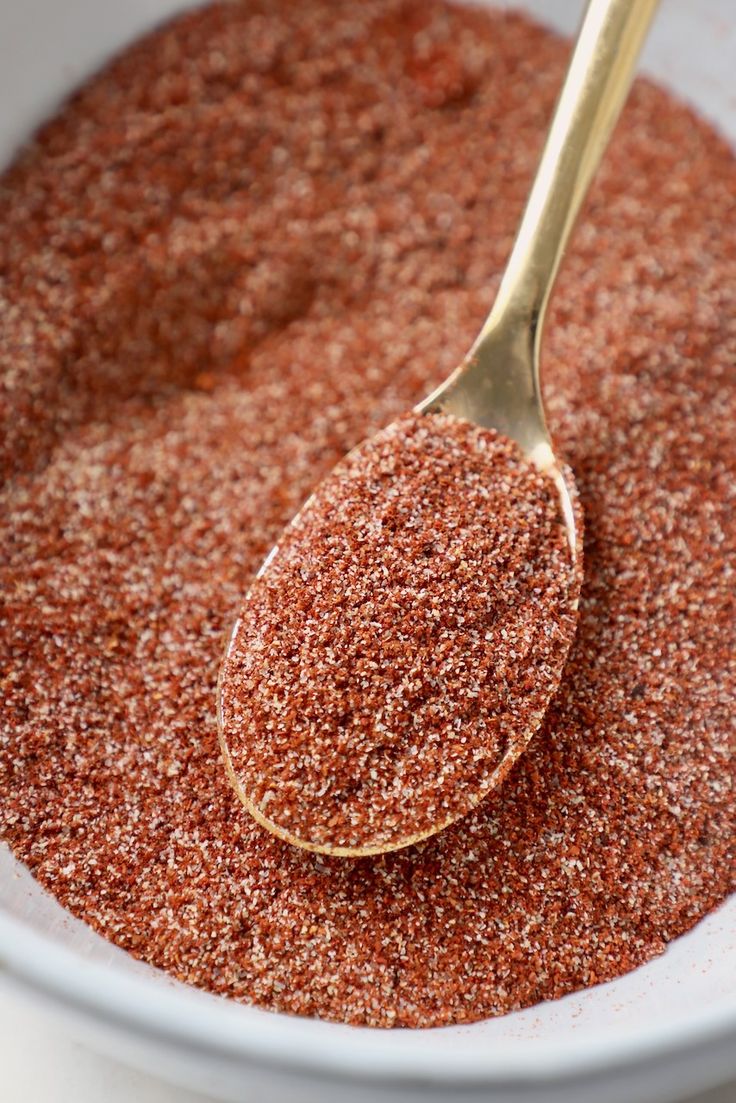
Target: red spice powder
[[402, 645], [260, 235]]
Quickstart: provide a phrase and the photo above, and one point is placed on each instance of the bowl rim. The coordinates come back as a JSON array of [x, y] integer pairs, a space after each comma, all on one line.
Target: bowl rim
[[178, 1014]]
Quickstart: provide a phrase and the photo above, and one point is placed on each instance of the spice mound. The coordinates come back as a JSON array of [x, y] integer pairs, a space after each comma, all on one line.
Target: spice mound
[[260, 235], [403, 642]]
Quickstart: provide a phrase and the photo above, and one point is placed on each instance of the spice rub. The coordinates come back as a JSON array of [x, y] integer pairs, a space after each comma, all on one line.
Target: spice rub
[[217, 276], [401, 646]]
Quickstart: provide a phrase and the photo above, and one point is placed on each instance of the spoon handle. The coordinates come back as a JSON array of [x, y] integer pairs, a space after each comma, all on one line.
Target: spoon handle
[[597, 82]]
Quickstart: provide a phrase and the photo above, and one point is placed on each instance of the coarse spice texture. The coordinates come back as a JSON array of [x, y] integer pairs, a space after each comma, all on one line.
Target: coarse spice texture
[[402, 645], [260, 235]]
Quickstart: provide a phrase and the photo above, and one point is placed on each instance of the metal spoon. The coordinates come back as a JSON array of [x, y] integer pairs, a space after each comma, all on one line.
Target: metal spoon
[[498, 386]]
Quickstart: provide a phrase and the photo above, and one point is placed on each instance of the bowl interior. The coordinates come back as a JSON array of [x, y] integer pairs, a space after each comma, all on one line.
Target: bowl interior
[[689, 992]]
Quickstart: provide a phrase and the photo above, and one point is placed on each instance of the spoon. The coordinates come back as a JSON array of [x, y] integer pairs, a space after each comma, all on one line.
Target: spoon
[[299, 758]]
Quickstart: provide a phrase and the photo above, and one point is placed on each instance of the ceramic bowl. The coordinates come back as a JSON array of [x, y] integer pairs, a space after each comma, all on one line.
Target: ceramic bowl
[[658, 1034]]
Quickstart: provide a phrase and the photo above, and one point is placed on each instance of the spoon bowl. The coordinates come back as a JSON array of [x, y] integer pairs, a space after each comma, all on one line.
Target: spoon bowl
[[401, 643]]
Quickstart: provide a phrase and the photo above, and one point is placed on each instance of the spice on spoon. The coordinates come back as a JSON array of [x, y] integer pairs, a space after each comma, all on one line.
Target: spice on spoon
[[399, 649]]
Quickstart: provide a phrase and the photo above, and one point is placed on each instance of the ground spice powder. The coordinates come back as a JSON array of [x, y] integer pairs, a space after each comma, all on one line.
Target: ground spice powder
[[401, 647], [260, 235]]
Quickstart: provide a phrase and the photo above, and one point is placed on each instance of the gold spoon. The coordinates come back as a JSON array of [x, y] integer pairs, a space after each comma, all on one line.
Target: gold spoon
[[497, 386]]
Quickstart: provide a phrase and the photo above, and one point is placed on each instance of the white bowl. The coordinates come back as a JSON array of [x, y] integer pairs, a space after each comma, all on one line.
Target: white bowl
[[658, 1034]]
